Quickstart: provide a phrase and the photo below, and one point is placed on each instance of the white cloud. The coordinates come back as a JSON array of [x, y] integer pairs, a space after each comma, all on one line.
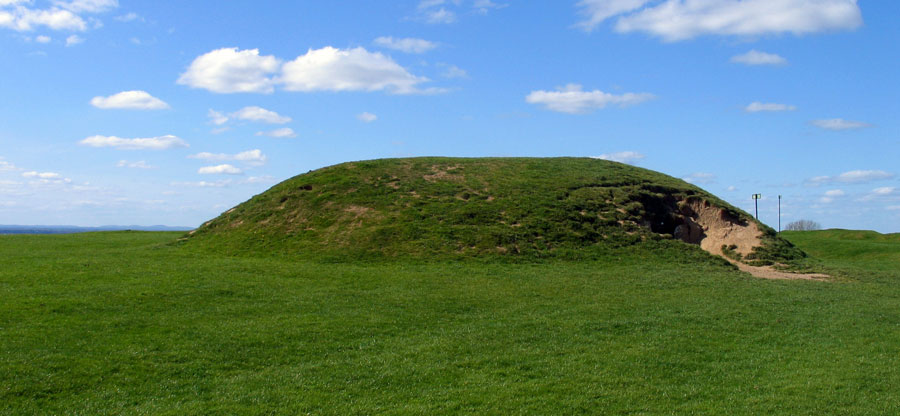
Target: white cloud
[[204, 184], [426, 4], [217, 118], [831, 195], [331, 69], [731, 188], [700, 178], [675, 20], [23, 19], [226, 182], [73, 40], [152, 143], [229, 70], [893, 208], [45, 178], [88, 6], [597, 11], [445, 11], [140, 164], [755, 57], [571, 99], [880, 193], [408, 45], [43, 39], [225, 169], [133, 100], [6, 166], [757, 106], [484, 6], [859, 176], [257, 179], [253, 157], [440, 16], [41, 175], [129, 17], [454, 71], [839, 124], [366, 117], [283, 133], [260, 114], [853, 176], [628, 157]]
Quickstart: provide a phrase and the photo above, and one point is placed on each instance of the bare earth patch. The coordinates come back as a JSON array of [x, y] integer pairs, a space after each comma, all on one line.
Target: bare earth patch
[[768, 272], [712, 227], [443, 174]]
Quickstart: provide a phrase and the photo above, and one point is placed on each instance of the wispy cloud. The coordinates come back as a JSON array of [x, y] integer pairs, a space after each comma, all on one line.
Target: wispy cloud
[[453, 71], [407, 45], [839, 124], [282, 133], [253, 157], [700, 178], [831, 195], [73, 40], [756, 107], [261, 115], [366, 117], [448, 11], [853, 176], [151, 143], [132, 100], [675, 20], [140, 164], [224, 169], [628, 157], [573, 100], [755, 57]]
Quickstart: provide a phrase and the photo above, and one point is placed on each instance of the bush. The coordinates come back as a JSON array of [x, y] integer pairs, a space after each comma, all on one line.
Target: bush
[[803, 225]]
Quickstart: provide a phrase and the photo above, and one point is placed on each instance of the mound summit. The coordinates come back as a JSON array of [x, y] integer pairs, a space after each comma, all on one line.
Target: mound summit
[[476, 207]]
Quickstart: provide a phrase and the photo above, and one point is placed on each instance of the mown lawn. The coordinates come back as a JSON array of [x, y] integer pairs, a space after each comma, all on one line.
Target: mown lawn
[[125, 323]]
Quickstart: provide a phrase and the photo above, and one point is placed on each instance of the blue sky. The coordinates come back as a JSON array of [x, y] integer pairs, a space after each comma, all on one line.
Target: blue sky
[[149, 112]]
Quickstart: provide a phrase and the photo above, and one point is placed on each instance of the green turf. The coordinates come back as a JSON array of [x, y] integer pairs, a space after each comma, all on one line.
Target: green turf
[[458, 208], [125, 324], [846, 251]]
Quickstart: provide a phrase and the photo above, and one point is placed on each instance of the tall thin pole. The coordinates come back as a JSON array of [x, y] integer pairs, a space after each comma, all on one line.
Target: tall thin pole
[[756, 198], [779, 213]]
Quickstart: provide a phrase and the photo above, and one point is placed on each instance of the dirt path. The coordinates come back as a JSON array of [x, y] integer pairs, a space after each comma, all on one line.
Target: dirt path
[[767, 272]]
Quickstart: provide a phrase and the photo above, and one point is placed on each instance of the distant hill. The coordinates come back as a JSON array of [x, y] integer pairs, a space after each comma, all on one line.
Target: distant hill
[[69, 229], [476, 207]]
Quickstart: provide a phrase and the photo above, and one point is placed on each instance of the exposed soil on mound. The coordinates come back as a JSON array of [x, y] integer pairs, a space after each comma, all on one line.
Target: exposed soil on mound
[[713, 228]]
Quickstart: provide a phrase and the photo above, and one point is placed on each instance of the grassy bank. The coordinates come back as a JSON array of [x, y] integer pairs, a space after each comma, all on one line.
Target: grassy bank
[[125, 323]]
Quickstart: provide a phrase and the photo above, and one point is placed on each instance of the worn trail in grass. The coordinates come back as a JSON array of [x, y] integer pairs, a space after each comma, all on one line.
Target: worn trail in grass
[[124, 323]]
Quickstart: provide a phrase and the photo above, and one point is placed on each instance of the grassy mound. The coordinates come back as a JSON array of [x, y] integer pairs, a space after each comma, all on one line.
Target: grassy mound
[[458, 208]]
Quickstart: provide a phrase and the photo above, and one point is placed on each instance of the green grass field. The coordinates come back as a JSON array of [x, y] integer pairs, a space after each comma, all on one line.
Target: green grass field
[[127, 323]]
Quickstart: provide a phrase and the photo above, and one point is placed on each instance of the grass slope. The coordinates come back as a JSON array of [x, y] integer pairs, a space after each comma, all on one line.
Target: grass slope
[[844, 252], [458, 208], [126, 324]]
